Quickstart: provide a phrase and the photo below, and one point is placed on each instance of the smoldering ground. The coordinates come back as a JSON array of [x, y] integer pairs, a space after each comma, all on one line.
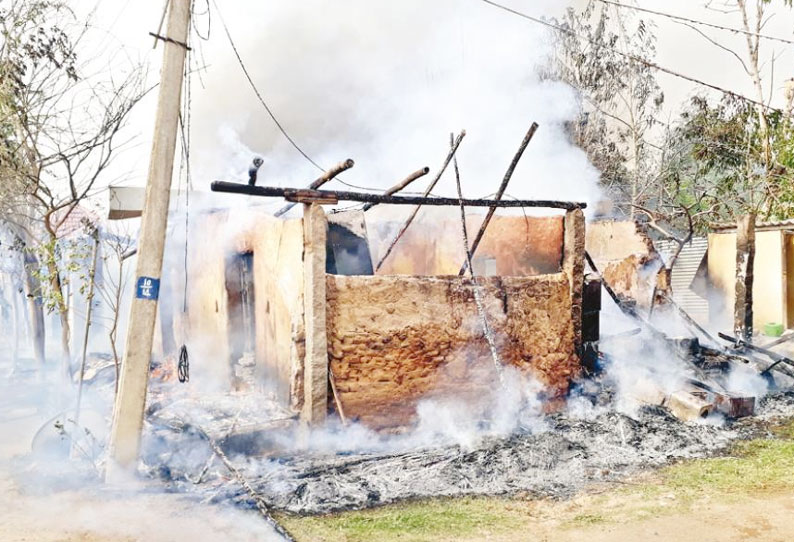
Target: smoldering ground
[[502, 446], [555, 456]]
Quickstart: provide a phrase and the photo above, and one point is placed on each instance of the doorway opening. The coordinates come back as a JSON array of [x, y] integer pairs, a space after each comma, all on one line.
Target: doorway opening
[[241, 318]]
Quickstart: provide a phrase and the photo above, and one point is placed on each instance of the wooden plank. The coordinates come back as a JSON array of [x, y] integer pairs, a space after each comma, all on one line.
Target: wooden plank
[[317, 183]]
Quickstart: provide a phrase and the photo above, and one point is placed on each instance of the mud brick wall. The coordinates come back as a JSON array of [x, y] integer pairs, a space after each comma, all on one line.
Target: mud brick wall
[[393, 340], [627, 259]]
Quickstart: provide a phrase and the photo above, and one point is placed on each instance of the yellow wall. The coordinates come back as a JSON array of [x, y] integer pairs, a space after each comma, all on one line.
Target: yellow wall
[[769, 284]]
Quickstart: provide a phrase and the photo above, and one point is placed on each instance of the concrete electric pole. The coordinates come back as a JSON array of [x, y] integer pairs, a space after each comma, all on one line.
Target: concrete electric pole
[[130, 400]]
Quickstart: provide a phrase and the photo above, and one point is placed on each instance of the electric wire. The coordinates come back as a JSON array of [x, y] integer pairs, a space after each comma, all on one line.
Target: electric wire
[[258, 94], [697, 22], [633, 58], [209, 21], [183, 365], [270, 113]]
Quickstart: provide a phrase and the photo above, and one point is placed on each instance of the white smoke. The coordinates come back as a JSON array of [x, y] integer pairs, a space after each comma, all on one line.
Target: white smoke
[[385, 84]]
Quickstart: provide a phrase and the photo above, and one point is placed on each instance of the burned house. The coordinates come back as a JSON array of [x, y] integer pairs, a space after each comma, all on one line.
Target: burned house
[[297, 305]]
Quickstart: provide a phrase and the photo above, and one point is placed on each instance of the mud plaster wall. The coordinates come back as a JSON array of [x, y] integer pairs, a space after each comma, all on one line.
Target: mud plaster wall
[[520, 246], [769, 278], [277, 247], [626, 258], [394, 340]]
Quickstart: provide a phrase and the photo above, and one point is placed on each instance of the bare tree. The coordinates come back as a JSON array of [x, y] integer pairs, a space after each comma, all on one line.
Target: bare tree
[[62, 120], [117, 249]]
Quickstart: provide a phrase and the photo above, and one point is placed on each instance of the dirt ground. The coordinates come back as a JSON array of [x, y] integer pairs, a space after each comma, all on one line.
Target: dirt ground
[[767, 518], [137, 517], [97, 513], [611, 516], [84, 516]]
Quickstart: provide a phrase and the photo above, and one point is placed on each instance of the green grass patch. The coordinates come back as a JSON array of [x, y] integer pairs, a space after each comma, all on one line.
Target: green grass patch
[[783, 429], [755, 465], [586, 519], [412, 522]]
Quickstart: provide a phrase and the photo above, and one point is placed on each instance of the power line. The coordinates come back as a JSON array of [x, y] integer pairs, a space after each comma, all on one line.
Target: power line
[[258, 94], [270, 111], [631, 57], [697, 22]]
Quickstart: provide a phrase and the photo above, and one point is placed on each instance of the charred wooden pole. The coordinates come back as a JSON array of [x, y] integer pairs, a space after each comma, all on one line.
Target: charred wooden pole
[[324, 178], [486, 327], [688, 319], [741, 344], [745, 256], [452, 151], [259, 502], [302, 195], [626, 310], [508, 175], [337, 398], [418, 174]]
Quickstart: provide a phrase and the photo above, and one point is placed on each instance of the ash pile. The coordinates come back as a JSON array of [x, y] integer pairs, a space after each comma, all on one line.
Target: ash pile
[[682, 403]]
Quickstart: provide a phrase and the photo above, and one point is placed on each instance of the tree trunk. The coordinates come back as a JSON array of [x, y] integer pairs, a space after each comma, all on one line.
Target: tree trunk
[[755, 72], [17, 321], [115, 325], [63, 315], [89, 306], [35, 310], [745, 256]]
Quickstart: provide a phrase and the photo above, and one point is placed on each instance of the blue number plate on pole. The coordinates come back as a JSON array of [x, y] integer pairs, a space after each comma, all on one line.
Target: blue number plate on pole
[[147, 288]]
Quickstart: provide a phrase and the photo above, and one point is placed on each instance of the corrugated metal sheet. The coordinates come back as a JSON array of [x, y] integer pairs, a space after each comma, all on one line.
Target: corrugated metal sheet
[[683, 272]]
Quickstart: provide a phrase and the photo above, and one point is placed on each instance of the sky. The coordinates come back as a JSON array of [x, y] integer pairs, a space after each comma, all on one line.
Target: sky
[[385, 83]]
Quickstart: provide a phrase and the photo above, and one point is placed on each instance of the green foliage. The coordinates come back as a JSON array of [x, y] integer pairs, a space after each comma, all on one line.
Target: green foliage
[[722, 162], [32, 41], [70, 259]]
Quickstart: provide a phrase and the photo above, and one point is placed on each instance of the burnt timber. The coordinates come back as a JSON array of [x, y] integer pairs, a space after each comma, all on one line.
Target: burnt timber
[[305, 195]]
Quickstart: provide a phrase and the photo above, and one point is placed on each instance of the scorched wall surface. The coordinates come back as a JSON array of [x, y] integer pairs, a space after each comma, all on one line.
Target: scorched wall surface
[[518, 246], [394, 340]]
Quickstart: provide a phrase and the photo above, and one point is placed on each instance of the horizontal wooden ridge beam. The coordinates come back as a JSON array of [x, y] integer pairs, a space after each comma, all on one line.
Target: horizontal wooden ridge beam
[[331, 196]]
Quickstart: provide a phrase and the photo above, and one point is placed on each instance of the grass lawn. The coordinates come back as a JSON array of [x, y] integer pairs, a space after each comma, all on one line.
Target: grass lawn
[[753, 468]]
